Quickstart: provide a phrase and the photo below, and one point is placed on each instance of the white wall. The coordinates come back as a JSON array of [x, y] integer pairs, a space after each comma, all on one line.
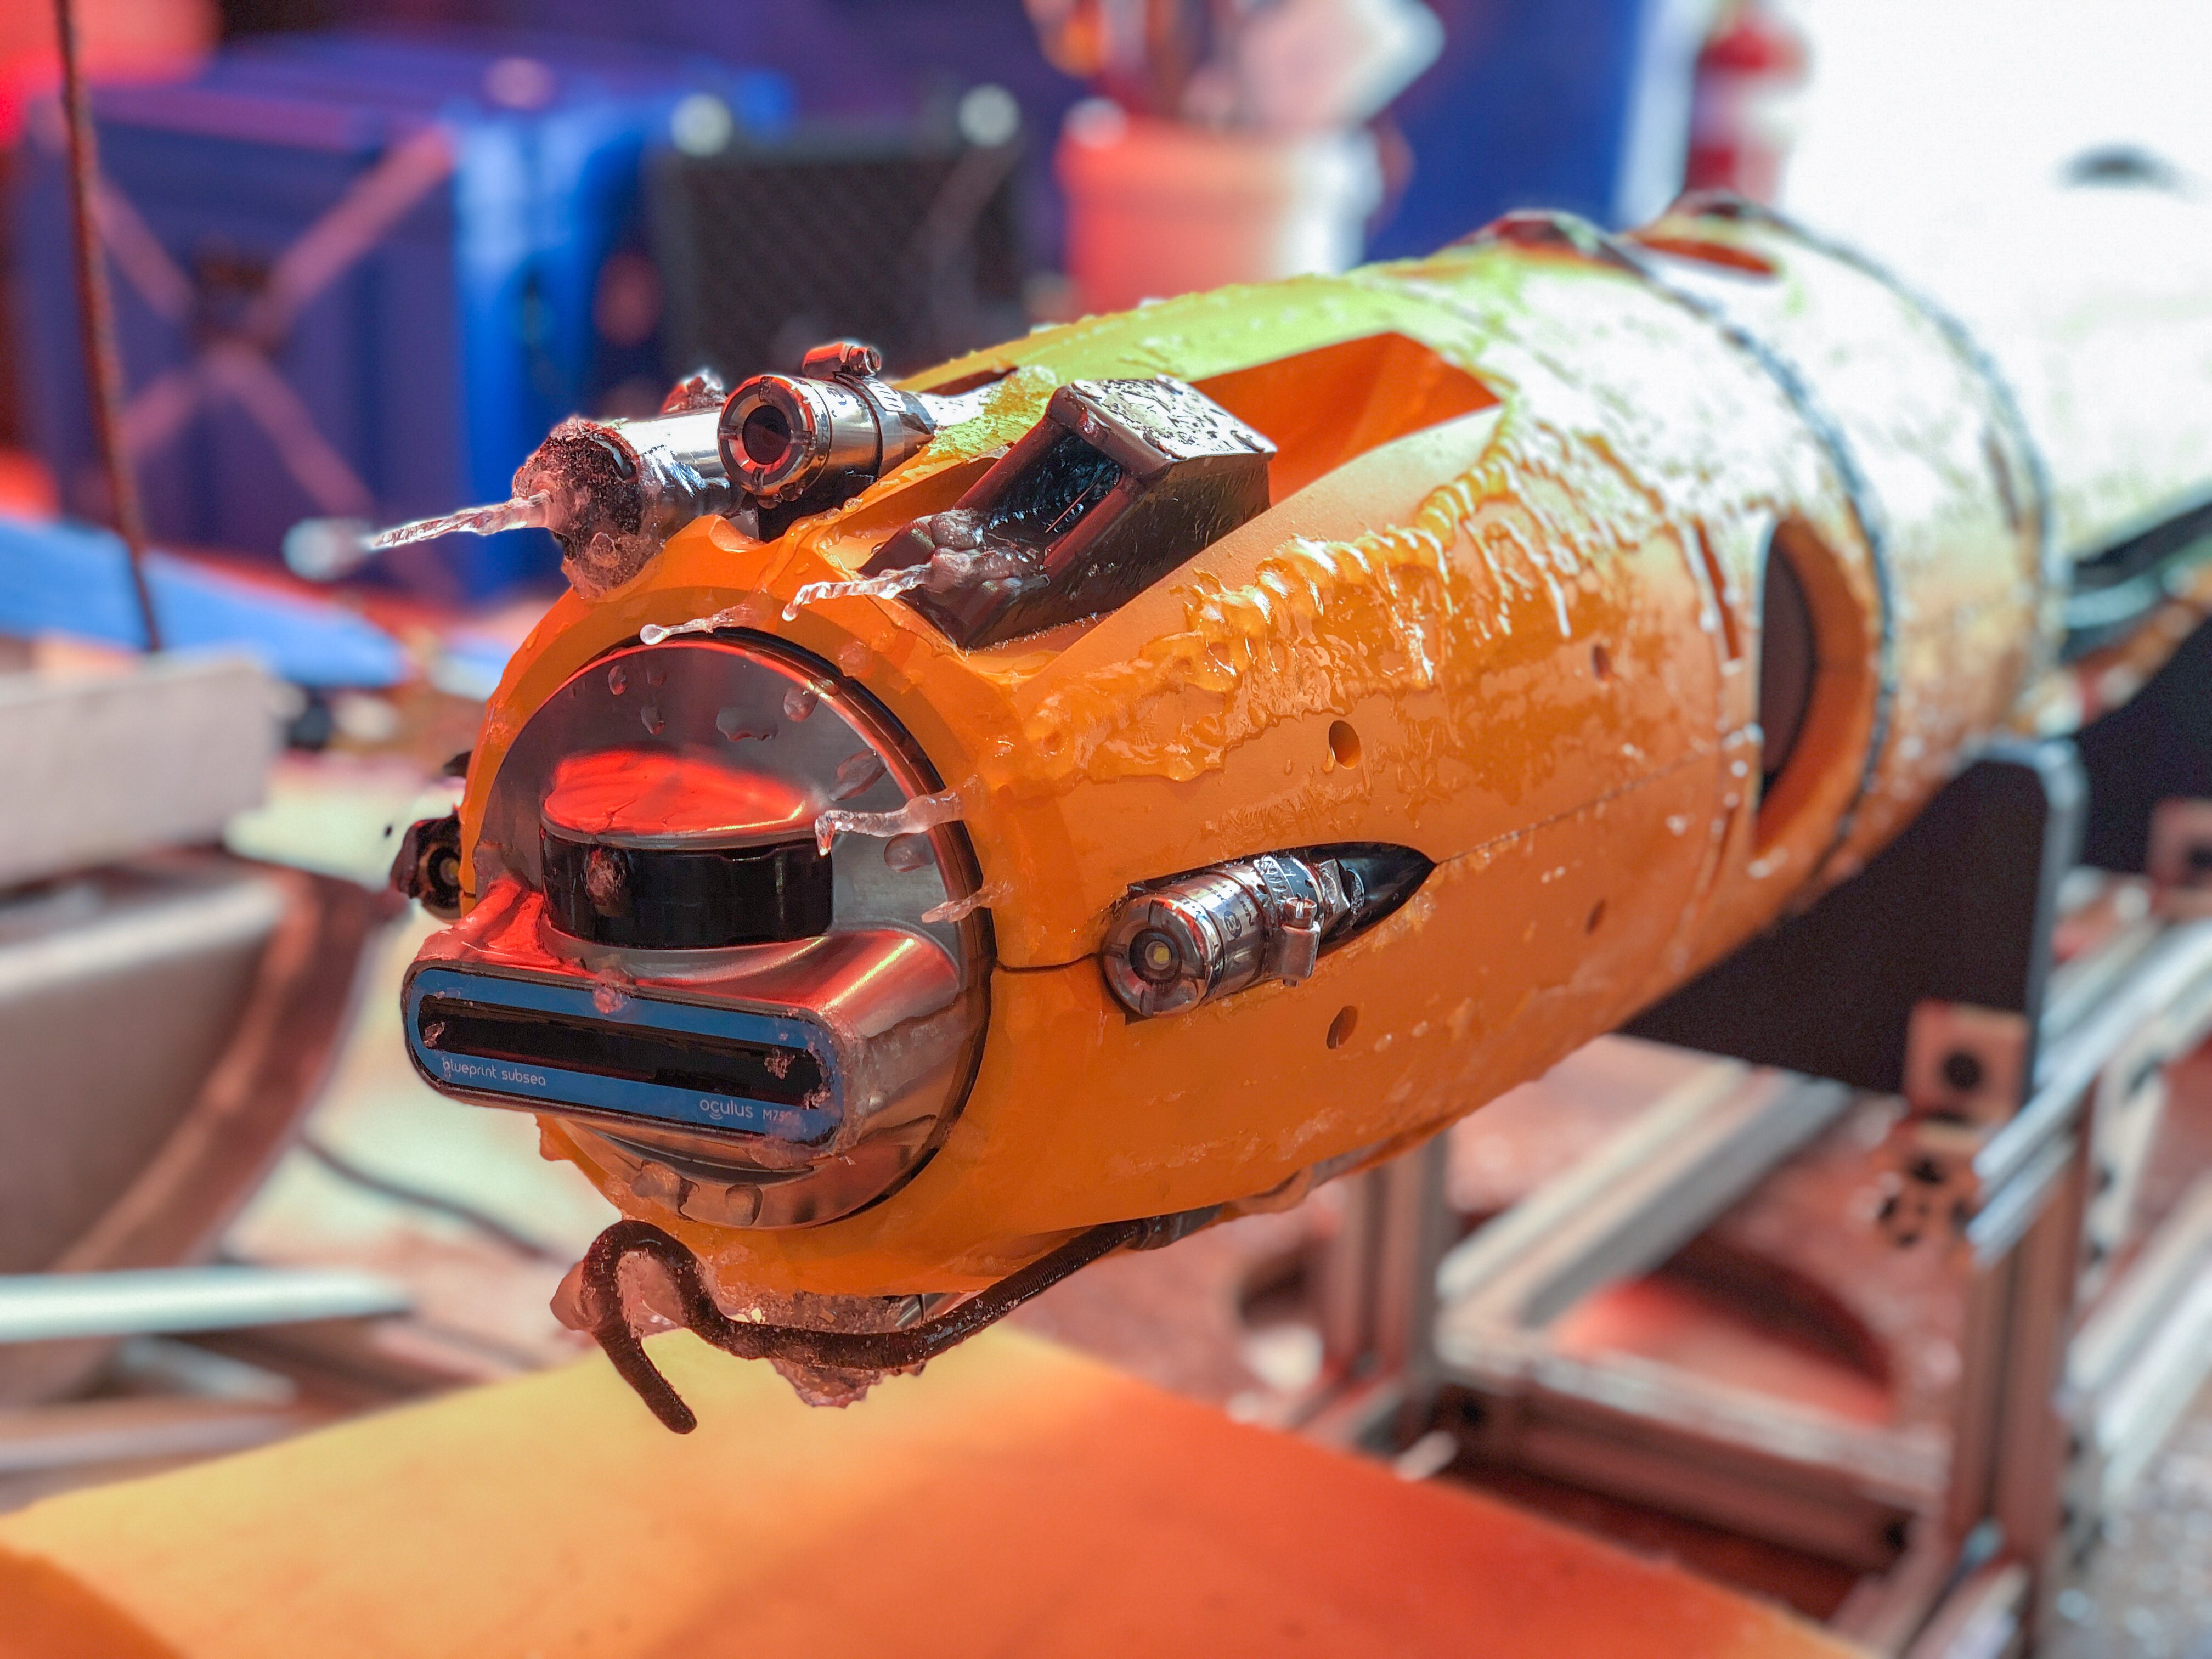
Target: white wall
[[1917, 105]]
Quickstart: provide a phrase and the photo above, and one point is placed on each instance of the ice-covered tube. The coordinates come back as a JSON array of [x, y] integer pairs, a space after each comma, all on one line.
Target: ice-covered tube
[[1623, 591]]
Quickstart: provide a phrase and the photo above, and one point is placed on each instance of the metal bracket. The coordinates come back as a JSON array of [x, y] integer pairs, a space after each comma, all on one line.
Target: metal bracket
[[2178, 856], [1965, 1063], [1957, 910], [2156, 747]]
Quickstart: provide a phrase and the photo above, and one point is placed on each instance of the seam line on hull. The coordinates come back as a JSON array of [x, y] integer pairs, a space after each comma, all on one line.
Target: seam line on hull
[[1480, 847], [1580, 239], [2052, 565], [1858, 492]]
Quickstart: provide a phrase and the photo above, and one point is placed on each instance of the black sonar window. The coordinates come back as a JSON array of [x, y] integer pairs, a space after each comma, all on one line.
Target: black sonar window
[[673, 1060]]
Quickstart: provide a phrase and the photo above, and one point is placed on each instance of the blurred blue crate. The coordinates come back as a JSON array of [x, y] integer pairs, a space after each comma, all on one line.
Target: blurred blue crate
[[1576, 104], [74, 580], [356, 277]]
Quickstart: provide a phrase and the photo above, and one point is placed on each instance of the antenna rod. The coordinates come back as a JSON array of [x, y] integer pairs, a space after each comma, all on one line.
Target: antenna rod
[[96, 319]]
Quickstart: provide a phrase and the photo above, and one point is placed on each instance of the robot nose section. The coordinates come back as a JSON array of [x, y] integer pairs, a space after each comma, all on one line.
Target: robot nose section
[[722, 937]]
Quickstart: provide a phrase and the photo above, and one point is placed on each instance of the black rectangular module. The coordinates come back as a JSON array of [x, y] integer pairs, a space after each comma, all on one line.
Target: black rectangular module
[[1119, 483]]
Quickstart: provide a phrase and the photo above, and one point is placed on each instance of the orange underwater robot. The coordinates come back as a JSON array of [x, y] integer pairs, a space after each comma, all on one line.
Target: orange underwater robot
[[1119, 780]]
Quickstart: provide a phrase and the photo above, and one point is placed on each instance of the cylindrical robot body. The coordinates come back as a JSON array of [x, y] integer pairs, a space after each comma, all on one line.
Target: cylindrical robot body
[[1640, 588]]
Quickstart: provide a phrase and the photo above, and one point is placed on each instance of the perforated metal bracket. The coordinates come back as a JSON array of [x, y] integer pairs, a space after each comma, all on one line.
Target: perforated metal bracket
[[2178, 857], [1964, 1064]]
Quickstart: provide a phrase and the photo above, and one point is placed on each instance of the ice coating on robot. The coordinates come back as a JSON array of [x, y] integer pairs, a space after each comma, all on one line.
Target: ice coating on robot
[[1547, 637], [922, 812], [962, 559], [533, 512]]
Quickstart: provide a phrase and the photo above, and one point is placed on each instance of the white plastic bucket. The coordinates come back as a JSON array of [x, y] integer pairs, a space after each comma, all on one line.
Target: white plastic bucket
[[1157, 208]]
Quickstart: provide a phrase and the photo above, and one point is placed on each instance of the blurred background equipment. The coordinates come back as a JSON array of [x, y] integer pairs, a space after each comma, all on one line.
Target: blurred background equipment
[[1750, 72], [299, 369], [359, 278], [908, 238], [1230, 145], [119, 40], [233, 980]]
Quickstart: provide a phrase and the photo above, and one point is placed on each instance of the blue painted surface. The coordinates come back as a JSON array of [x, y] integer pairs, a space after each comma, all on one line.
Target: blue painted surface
[[74, 580], [553, 1086], [1528, 107], [434, 364]]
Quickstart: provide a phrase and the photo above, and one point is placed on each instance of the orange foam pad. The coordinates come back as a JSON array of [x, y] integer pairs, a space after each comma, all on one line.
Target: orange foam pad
[[1015, 1500]]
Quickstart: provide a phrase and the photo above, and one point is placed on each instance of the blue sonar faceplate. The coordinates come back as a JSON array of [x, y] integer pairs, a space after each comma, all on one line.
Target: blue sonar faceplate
[[546, 1043]]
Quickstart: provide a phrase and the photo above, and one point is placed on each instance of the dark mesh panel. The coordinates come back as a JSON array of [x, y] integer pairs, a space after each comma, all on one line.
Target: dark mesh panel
[[913, 249]]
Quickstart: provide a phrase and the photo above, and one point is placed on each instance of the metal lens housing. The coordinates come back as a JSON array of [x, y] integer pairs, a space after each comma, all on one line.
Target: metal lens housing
[[655, 850], [727, 1024], [1172, 948], [779, 436]]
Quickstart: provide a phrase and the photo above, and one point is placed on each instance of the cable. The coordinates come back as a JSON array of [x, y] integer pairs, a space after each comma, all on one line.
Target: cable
[[453, 1209], [747, 1338], [96, 319]]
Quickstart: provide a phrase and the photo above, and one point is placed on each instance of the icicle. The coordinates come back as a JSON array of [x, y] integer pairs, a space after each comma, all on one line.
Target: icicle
[[887, 586], [735, 617], [960, 909], [950, 569], [522, 513], [922, 812]]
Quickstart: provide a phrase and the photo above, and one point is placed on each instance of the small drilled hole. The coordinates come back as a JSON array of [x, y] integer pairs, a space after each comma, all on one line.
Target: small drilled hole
[[1344, 744], [1341, 1028], [1600, 662], [1596, 916]]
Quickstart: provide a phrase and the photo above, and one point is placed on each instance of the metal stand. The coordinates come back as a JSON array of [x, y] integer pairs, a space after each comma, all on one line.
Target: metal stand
[[2026, 1093], [1376, 1288], [1926, 975], [2155, 748]]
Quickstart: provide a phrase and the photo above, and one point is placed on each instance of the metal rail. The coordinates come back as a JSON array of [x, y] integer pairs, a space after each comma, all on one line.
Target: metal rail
[[66, 1307]]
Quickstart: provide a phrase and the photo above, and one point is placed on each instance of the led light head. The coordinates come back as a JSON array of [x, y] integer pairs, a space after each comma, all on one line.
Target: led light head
[[1178, 943], [735, 1025]]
